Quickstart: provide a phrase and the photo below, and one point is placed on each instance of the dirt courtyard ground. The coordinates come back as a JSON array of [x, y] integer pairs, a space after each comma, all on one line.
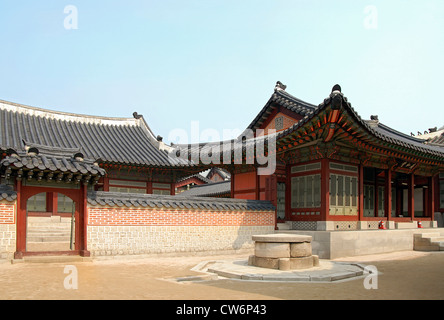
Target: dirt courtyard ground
[[401, 276]]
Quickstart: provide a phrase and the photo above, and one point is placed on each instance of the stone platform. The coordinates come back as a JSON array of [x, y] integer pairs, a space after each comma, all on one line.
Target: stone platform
[[325, 271], [283, 252]]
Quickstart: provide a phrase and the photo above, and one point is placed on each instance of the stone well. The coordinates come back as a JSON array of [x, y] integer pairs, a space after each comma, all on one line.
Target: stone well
[[283, 251]]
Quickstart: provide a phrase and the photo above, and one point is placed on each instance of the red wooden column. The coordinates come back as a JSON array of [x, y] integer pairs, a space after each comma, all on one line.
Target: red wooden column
[[361, 192], [388, 194], [233, 177], [376, 204], [83, 222], [52, 202], [172, 189], [325, 189], [258, 185], [436, 195], [411, 195], [287, 193], [105, 184], [399, 193], [431, 198], [21, 223], [149, 187]]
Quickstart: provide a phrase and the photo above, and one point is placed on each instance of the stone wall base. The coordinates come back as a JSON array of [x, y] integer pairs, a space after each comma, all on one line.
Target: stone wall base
[[140, 240], [340, 244], [351, 225]]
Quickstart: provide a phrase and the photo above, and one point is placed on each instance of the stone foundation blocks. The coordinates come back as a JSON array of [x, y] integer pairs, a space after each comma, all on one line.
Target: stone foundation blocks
[[283, 252]]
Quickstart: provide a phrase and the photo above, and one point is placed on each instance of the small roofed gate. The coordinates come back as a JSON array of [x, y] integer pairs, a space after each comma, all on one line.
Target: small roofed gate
[[41, 169]]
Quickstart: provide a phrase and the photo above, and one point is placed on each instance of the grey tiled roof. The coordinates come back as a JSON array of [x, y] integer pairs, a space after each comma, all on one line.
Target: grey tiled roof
[[374, 128], [197, 176], [112, 140], [286, 100], [115, 199], [61, 160], [7, 193], [434, 137], [209, 190], [222, 172], [438, 140]]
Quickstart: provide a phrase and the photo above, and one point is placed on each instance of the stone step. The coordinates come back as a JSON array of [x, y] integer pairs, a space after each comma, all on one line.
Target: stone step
[[51, 238], [39, 233], [431, 241], [48, 232], [48, 219], [48, 224], [436, 239], [48, 235], [52, 259], [427, 235], [49, 228], [48, 246]]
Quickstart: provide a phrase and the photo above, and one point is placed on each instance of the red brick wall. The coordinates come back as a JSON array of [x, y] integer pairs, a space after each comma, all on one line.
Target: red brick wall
[[288, 122], [105, 216], [7, 213]]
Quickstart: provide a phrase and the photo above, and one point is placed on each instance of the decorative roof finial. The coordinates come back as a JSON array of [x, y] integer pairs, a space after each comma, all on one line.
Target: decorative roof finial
[[336, 87], [336, 97], [280, 86], [137, 116]]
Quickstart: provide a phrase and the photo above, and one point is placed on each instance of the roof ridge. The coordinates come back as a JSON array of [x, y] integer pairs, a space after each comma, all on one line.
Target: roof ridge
[[66, 116], [394, 131], [211, 184], [295, 99]]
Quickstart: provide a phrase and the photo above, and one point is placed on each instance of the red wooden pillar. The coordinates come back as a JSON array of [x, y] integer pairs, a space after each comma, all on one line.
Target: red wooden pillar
[[173, 189], [361, 192], [149, 187], [258, 185], [287, 193], [106, 184], [376, 204], [52, 202], [399, 200], [435, 182], [83, 222], [21, 222], [388, 194], [271, 194], [431, 198], [233, 177], [411, 195], [325, 189]]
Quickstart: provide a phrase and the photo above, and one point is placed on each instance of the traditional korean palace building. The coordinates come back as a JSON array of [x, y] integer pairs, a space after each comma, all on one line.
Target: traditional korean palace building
[[91, 185], [336, 171]]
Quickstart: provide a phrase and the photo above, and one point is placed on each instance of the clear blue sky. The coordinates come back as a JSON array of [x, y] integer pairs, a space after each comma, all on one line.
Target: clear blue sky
[[217, 62]]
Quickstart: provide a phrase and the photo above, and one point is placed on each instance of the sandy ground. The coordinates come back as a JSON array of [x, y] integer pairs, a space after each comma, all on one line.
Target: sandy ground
[[402, 276]]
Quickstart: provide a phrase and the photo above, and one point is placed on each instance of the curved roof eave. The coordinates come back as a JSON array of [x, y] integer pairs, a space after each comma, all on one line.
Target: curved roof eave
[[373, 128]]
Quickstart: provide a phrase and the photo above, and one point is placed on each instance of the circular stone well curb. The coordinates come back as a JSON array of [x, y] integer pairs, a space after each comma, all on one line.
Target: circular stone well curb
[[327, 271]]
